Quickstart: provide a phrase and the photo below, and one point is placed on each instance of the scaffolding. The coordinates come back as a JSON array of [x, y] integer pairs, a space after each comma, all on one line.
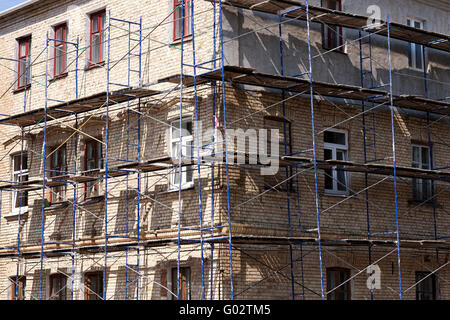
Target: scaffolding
[[128, 170]]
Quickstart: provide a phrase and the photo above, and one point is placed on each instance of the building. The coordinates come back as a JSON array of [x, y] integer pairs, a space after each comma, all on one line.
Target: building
[[96, 202]]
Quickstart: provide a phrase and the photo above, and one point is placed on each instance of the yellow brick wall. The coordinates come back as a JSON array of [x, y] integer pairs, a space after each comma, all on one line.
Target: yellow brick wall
[[266, 215]]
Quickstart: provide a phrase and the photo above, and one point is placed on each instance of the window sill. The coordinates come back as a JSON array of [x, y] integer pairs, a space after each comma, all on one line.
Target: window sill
[[415, 69], [341, 51], [94, 66], [60, 76], [16, 214], [178, 41], [335, 194], [422, 203], [183, 188], [92, 200], [57, 205], [21, 89]]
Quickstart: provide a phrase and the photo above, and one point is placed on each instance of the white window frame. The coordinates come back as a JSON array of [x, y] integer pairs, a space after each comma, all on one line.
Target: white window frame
[[412, 47], [334, 147], [15, 177], [419, 164], [185, 184]]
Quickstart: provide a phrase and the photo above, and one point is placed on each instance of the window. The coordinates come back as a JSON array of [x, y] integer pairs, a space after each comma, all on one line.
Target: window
[[180, 19], [335, 277], [58, 167], [421, 159], [415, 51], [335, 148], [93, 160], [332, 35], [97, 38], [185, 143], [93, 283], [17, 288], [58, 287], [60, 50], [20, 174], [426, 288], [23, 69], [185, 283]]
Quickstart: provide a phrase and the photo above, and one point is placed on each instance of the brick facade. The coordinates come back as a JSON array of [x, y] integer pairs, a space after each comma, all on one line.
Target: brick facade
[[260, 271]]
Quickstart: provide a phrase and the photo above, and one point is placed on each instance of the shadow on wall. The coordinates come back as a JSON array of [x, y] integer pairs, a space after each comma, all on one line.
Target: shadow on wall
[[93, 225], [35, 224], [36, 286], [63, 225], [261, 51], [261, 273], [165, 218], [163, 276], [126, 213], [126, 283]]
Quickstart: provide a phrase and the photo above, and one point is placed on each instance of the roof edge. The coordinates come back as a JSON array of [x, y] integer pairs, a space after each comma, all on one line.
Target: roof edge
[[18, 7]]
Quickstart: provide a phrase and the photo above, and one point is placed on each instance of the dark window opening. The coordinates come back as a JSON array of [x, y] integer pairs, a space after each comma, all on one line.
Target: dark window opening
[[426, 286], [58, 287], [332, 35], [93, 283], [93, 160], [185, 283], [17, 288], [335, 283]]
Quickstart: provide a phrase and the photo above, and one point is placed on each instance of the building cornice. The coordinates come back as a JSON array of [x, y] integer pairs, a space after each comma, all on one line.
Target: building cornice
[[439, 4], [18, 7], [27, 10]]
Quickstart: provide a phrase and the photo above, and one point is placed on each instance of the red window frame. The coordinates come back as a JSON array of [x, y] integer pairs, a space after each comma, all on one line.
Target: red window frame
[[340, 40], [185, 19], [63, 28], [23, 56], [99, 16]]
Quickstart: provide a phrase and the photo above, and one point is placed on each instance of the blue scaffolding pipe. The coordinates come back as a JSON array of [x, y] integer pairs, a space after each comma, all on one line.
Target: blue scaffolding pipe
[[366, 175], [283, 97], [394, 160], [18, 193], [129, 129], [180, 151], [43, 170], [197, 148], [213, 86], [226, 146], [74, 209], [106, 156], [316, 183]]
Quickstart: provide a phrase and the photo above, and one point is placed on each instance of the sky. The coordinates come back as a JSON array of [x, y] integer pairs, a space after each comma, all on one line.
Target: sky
[[6, 4]]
